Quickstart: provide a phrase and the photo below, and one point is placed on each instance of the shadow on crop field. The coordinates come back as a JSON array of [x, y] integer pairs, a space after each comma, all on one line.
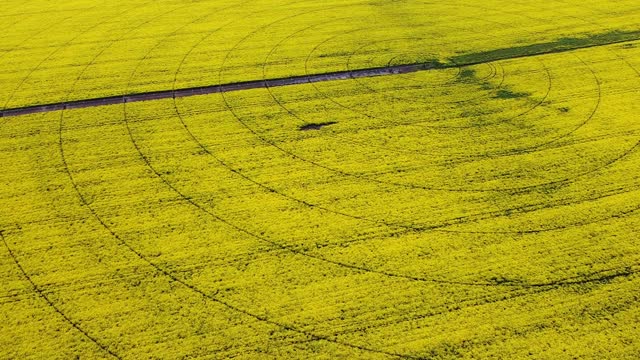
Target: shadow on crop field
[[316, 126], [560, 45], [509, 94]]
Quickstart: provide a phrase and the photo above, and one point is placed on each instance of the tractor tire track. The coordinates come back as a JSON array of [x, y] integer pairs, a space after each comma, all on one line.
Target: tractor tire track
[[412, 186], [76, 325], [170, 275], [314, 337], [63, 46]]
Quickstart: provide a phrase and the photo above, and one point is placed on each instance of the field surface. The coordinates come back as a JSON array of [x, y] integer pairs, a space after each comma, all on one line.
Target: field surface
[[485, 205]]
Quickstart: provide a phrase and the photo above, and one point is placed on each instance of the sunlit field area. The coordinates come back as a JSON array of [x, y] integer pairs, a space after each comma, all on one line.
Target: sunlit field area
[[483, 206]]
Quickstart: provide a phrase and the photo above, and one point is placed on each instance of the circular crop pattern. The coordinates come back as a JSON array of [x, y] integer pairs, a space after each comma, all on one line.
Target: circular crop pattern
[[438, 213]]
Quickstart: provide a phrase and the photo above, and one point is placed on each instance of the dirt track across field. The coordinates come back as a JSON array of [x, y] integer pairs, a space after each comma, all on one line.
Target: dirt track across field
[[203, 90], [467, 60]]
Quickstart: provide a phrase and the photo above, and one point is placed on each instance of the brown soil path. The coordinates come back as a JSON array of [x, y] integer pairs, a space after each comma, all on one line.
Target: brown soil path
[[487, 57]]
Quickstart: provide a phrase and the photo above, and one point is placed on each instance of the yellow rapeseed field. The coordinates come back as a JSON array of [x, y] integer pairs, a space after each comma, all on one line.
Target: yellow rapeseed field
[[488, 207]]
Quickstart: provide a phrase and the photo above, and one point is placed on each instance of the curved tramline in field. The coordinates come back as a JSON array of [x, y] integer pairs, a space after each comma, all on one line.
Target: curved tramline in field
[[359, 179]]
